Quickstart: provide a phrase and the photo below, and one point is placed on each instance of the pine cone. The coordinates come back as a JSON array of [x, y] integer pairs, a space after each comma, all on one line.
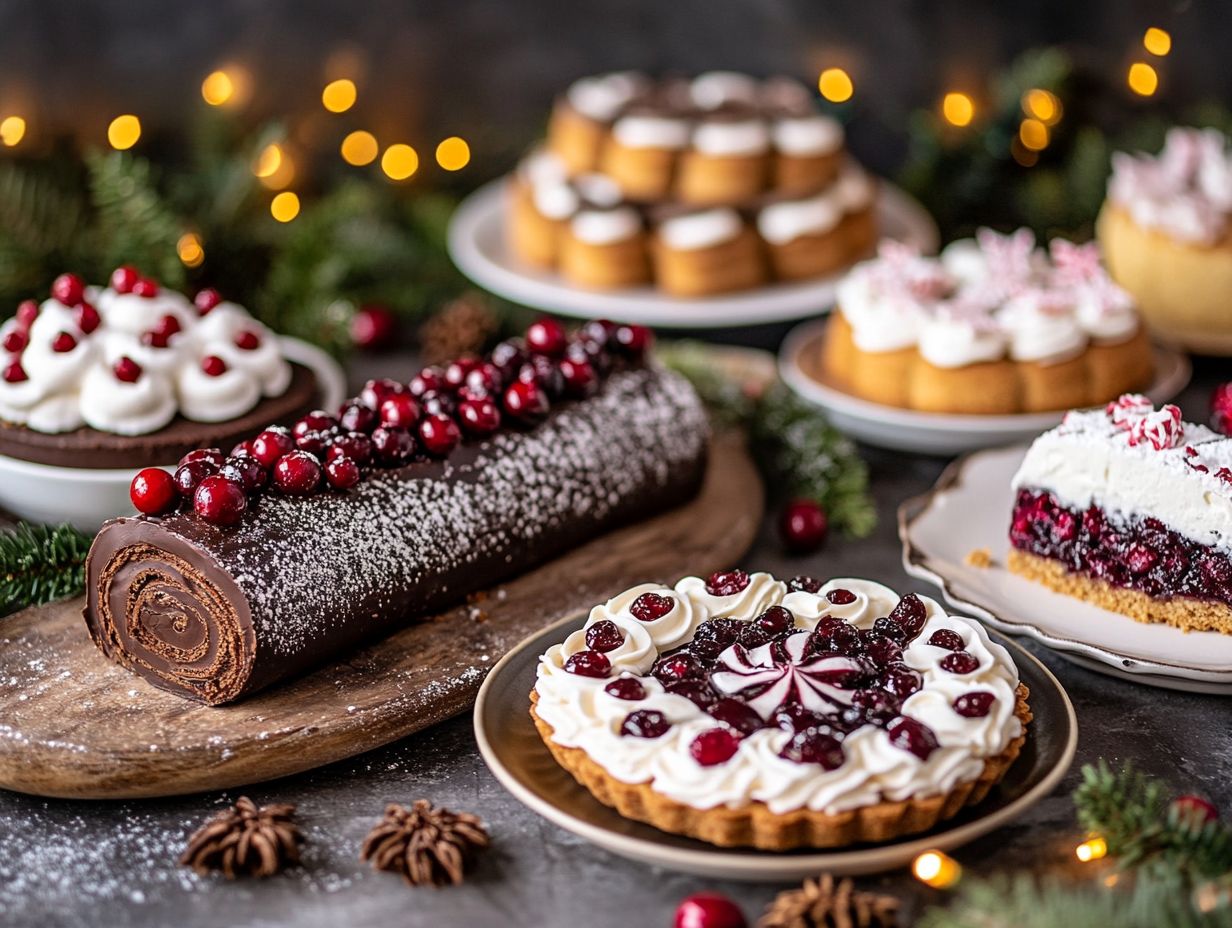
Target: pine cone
[[461, 327], [821, 904], [245, 841], [425, 844]]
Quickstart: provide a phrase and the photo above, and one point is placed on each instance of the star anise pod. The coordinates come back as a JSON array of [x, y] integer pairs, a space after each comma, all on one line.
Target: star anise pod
[[822, 903], [245, 841], [425, 844]]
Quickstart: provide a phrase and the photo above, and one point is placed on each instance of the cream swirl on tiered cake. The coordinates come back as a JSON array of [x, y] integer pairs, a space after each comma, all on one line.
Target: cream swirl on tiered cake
[[742, 690], [127, 360]]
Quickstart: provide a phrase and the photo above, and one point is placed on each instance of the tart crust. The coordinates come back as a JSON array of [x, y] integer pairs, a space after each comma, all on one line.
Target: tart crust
[[1183, 612], [755, 825]]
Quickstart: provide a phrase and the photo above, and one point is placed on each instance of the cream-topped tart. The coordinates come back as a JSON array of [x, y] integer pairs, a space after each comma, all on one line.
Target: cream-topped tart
[[1130, 508], [747, 711]]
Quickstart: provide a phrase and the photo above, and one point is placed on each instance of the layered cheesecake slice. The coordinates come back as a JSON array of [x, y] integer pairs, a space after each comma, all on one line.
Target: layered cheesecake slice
[[1130, 508]]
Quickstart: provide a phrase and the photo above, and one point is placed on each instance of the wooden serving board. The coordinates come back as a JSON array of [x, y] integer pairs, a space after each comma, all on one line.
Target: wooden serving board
[[72, 724]]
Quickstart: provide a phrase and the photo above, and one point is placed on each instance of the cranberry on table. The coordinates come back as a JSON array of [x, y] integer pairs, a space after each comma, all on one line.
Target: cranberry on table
[[479, 416], [212, 456], [713, 747], [123, 278], [220, 501], [188, 476], [392, 447], [439, 435], [1195, 807], [626, 688], [68, 289], [588, 664], [153, 491], [645, 723], [373, 328], [296, 473], [272, 444], [341, 472], [205, 300], [605, 635], [651, 606], [803, 526], [708, 910], [526, 402]]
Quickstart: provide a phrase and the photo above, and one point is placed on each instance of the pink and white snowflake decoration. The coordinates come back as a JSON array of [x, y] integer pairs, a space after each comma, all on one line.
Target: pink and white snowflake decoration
[[1163, 428], [1127, 409], [771, 675]]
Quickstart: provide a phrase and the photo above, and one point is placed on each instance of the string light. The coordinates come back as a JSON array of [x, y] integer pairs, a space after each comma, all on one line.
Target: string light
[[453, 154], [189, 249], [958, 109], [1042, 105], [124, 132], [339, 96], [1023, 156], [1157, 41], [938, 870], [360, 148], [399, 161], [218, 88], [285, 206], [835, 85], [1033, 134], [12, 131], [1091, 849], [1143, 79], [269, 161]]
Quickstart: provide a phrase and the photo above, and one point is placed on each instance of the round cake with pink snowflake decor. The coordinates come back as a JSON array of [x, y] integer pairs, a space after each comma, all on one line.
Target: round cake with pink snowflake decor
[[742, 710]]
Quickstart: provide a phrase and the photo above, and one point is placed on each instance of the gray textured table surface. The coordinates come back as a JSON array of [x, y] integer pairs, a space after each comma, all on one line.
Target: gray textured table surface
[[95, 863]]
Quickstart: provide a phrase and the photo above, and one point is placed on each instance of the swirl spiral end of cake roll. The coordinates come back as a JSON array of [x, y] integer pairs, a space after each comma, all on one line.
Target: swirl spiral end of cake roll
[[161, 608]]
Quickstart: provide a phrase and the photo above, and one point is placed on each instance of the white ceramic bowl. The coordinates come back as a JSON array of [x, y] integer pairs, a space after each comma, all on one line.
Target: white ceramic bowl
[[88, 498]]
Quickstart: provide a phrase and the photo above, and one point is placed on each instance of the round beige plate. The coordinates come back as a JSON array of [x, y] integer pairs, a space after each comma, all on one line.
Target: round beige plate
[[518, 758]]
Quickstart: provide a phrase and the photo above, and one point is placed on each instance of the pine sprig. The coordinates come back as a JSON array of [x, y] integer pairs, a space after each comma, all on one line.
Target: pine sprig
[[40, 563]]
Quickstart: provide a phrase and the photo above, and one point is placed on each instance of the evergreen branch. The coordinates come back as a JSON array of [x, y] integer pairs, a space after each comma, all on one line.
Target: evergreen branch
[[39, 564], [133, 223]]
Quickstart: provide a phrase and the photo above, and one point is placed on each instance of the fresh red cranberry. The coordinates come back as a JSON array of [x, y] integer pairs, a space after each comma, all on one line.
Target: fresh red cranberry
[[15, 342], [27, 312], [428, 380], [588, 664], [356, 417], [508, 356], [123, 278], [272, 444], [673, 667], [948, 639], [87, 318], [206, 300], [399, 411], [341, 472], [526, 402], [882, 650], [910, 614], [900, 680], [709, 910], [479, 416], [296, 473], [145, 287], [803, 584], [960, 662], [153, 491], [546, 336], [247, 340], [716, 746], [651, 606], [212, 456], [803, 526], [841, 597], [645, 723], [698, 692], [813, 747], [439, 435], [974, 705], [242, 449], [213, 365], [913, 736], [542, 371], [375, 392], [69, 289], [316, 421], [605, 635], [737, 715], [15, 373], [63, 343], [127, 370], [599, 331], [373, 327], [634, 340], [219, 501], [726, 582], [314, 443], [188, 476], [484, 380], [581, 379], [1195, 808], [456, 371], [354, 445], [438, 404], [245, 472], [392, 447], [775, 620], [629, 689]]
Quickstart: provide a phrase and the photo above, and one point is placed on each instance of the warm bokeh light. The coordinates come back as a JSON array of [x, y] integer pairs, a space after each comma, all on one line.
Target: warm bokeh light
[[217, 88], [1042, 105], [269, 161], [12, 130], [1157, 41], [1092, 849], [399, 161], [360, 148], [1142, 79], [285, 206], [453, 154], [189, 249], [1023, 156], [1033, 134], [958, 109], [124, 132], [938, 870], [835, 85], [339, 96]]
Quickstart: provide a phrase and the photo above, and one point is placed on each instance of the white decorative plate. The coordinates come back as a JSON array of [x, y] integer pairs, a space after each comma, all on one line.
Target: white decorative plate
[[968, 509], [87, 498], [934, 433], [478, 247]]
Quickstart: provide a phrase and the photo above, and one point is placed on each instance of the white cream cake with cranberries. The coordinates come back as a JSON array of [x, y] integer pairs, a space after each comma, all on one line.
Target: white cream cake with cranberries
[[1130, 508], [747, 711]]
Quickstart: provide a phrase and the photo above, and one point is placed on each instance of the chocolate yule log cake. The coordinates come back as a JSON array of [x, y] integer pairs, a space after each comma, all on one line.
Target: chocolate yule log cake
[[259, 566]]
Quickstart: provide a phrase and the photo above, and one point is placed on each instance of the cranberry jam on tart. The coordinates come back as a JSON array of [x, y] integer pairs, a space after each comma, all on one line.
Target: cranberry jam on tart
[[742, 710], [1130, 508], [133, 374], [252, 567]]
